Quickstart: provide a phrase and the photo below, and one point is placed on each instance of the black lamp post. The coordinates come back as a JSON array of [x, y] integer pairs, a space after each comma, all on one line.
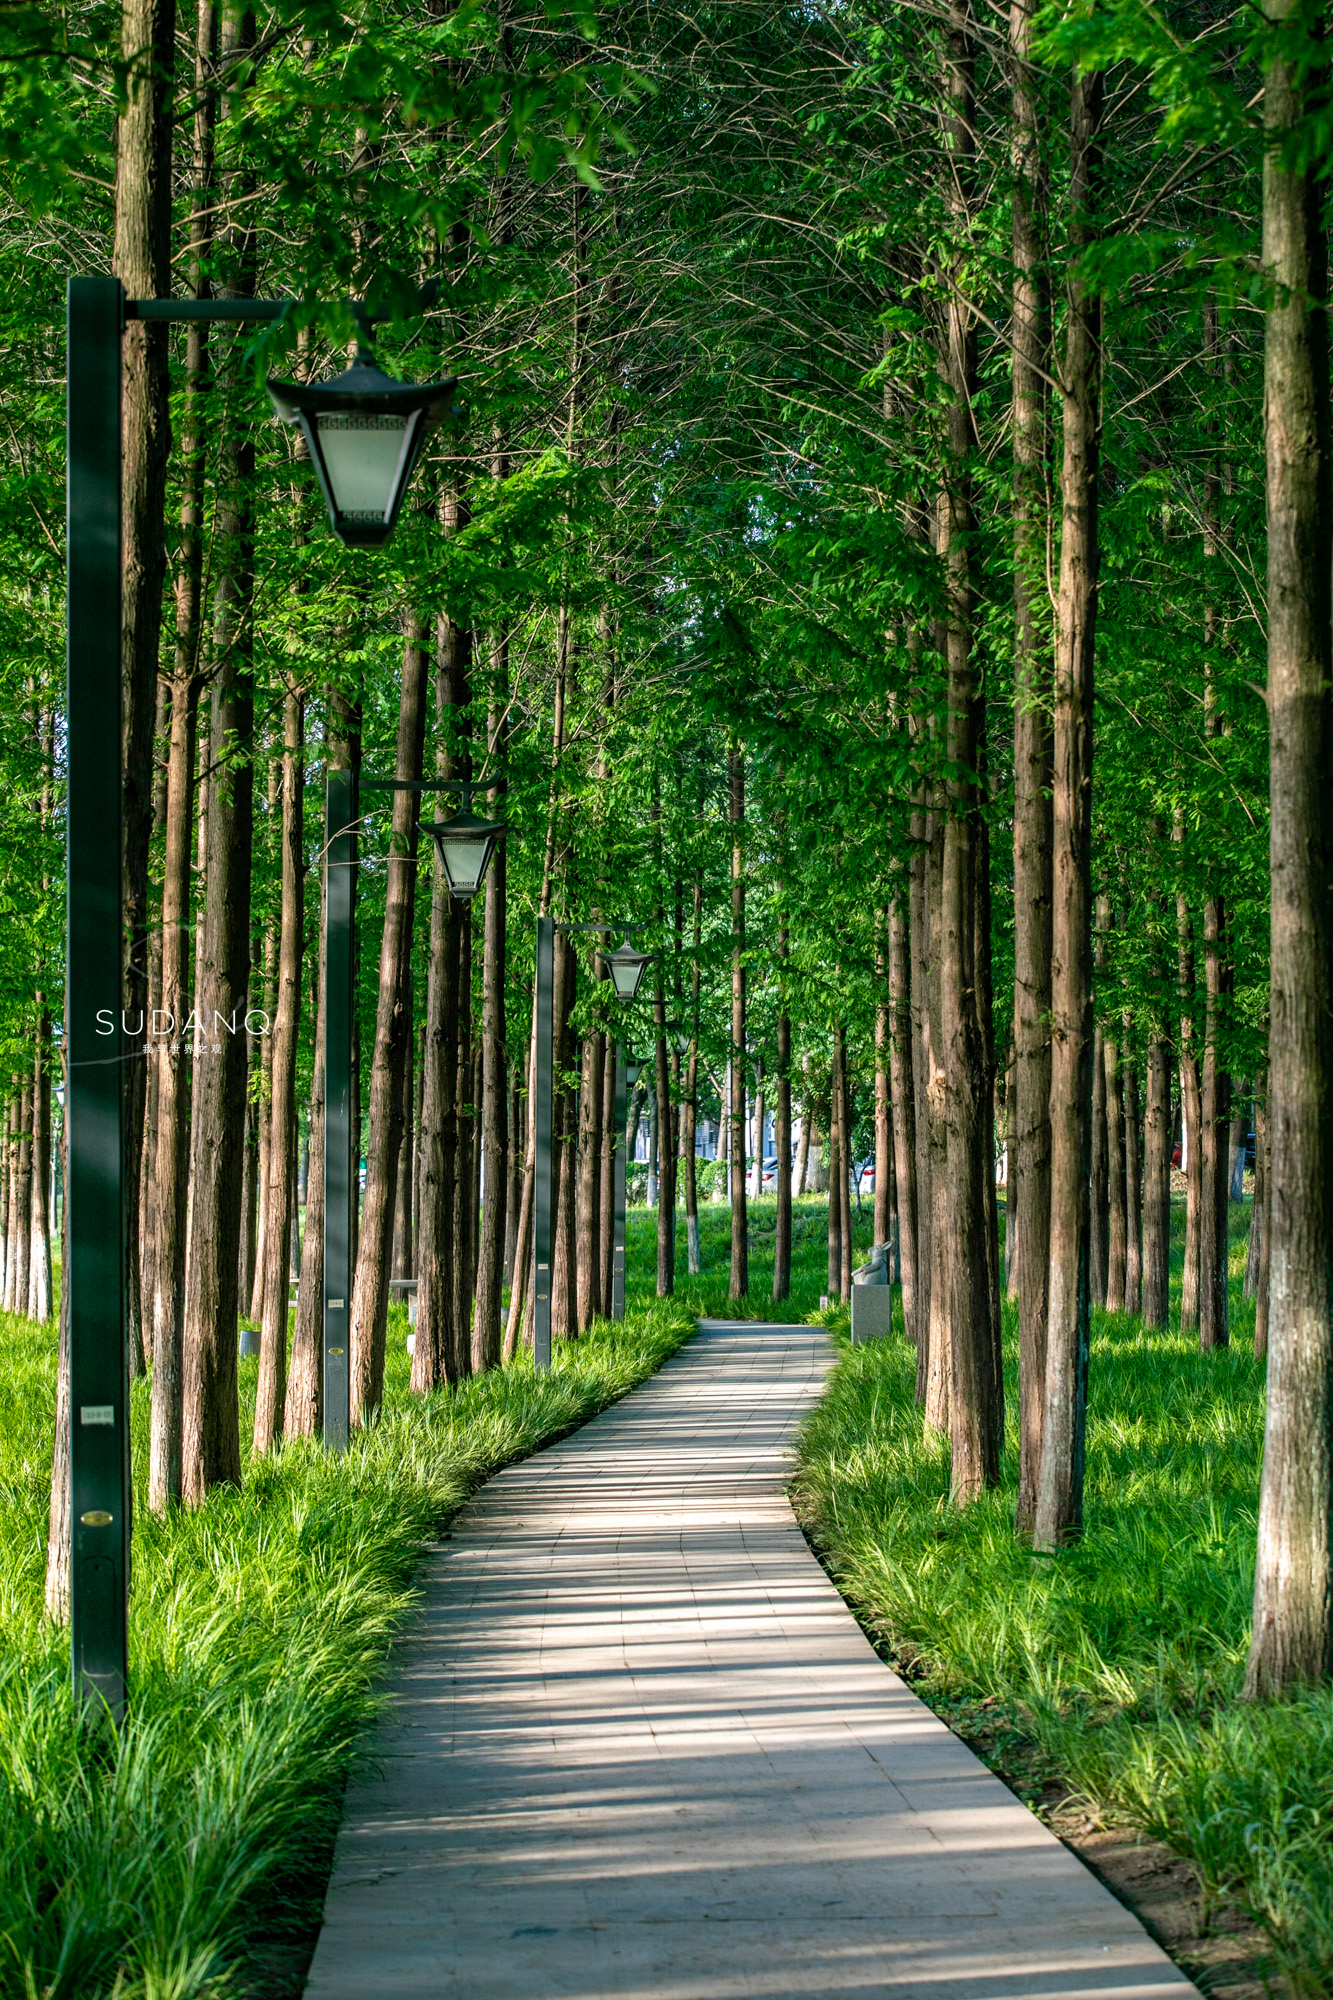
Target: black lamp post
[[350, 436], [464, 855], [627, 968]]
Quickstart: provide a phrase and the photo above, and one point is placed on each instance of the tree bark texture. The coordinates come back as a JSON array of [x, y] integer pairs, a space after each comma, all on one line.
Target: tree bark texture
[[740, 1258], [271, 1393], [211, 1442], [390, 1056], [1059, 1515], [1293, 1587]]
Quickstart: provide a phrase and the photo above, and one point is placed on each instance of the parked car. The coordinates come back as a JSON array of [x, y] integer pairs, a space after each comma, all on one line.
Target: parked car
[[770, 1175], [866, 1178]]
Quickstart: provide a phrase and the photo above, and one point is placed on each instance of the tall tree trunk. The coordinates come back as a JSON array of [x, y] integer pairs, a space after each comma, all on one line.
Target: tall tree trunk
[[974, 1437], [1191, 1102], [1293, 1586], [496, 1139], [1157, 1137], [1029, 1193], [211, 1450], [903, 1096], [1263, 1221], [39, 1261], [263, 1154], [740, 1258], [402, 1260], [883, 1098], [1059, 1516], [271, 1395], [939, 1359], [1214, 1118], [303, 1412], [564, 1267], [141, 259], [667, 1147], [781, 1119], [588, 1181], [23, 1202], [435, 1354], [390, 1058], [1133, 1178], [1117, 1219], [168, 1052], [1100, 1179]]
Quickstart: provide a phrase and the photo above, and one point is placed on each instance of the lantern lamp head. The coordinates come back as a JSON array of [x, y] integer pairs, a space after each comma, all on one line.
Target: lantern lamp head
[[627, 969], [364, 433], [465, 845]]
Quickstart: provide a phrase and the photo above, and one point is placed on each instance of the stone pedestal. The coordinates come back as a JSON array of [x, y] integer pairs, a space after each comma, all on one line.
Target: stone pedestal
[[872, 1311]]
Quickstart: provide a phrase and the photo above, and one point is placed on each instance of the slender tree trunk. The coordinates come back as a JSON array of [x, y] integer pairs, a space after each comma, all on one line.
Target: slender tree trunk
[[1157, 1142], [168, 1049], [271, 1395], [1293, 1584], [1263, 1221], [141, 259], [588, 1181], [940, 1353], [1059, 1515], [488, 1332], [967, 1081], [1215, 1116], [1118, 1229], [1133, 1180], [402, 1261], [1100, 1182], [1029, 1193], [606, 1166], [781, 1119], [883, 1099], [23, 1204], [1191, 1105], [667, 1148], [564, 1273], [39, 1262], [303, 1412], [390, 1058], [740, 1260], [211, 1445], [903, 1096]]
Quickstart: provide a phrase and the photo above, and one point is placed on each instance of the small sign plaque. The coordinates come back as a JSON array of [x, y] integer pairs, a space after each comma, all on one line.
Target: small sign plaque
[[97, 1413], [95, 1518], [336, 1305]]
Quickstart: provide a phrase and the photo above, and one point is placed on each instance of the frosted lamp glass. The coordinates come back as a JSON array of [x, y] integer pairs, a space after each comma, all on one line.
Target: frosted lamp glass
[[363, 457]]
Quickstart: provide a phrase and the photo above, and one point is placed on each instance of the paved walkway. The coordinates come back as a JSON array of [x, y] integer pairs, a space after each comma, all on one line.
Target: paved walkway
[[640, 1748]]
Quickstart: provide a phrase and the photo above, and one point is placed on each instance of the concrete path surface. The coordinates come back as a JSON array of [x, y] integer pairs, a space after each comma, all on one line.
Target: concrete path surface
[[639, 1747]]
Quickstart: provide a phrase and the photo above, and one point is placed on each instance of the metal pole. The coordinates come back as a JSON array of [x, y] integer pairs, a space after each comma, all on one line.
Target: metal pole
[[618, 1211], [99, 1453], [541, 1111], [339, 1185]]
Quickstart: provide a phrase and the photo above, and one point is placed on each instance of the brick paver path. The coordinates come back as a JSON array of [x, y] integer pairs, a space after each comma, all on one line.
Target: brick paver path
[[639, 1747]]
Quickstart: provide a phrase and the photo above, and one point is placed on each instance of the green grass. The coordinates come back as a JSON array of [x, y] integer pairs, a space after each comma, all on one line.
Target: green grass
[[707, 1293], [179, 1860], [1116, 1667]]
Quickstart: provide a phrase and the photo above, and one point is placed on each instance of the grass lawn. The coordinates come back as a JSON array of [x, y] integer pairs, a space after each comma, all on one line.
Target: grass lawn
[[188, 1858], [1114, 1668]]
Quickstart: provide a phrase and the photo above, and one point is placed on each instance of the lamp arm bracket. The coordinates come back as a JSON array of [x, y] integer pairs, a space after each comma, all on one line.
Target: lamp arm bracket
[[609, 925]]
